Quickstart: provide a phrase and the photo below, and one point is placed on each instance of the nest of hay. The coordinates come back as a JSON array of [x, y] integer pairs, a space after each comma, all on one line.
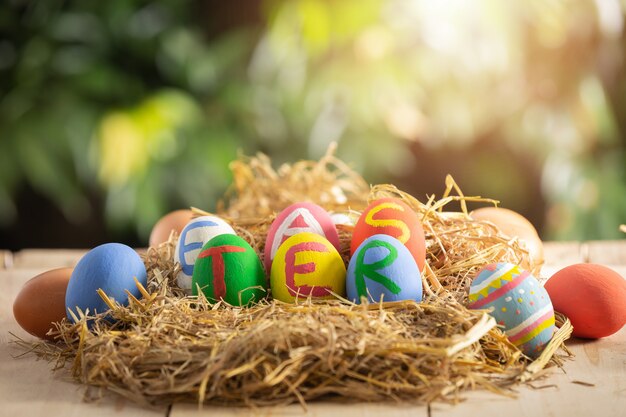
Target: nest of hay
[[167, 348]]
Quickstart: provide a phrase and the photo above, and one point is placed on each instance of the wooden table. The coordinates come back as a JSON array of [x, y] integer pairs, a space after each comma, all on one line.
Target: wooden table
[[592, 384]]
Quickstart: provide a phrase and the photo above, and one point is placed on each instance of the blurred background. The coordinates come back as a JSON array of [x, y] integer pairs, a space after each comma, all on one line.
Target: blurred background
[[113, 113]]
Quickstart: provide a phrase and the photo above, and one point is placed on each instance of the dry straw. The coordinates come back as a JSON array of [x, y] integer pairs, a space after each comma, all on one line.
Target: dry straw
[[167, 348]]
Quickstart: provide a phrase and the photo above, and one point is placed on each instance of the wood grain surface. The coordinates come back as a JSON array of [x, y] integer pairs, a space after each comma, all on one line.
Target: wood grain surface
[[593, 383]]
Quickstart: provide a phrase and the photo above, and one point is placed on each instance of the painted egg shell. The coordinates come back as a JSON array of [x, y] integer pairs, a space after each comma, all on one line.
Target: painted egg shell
[[193, 237], [383, 268], [41, 302], [111, 267], [229, 269], [592, 296], [518, 302], [307, 265], [176, 220], [390, 216], [298, 218]]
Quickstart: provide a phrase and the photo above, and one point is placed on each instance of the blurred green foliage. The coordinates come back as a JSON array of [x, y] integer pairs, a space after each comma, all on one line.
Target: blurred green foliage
[[134, 101]]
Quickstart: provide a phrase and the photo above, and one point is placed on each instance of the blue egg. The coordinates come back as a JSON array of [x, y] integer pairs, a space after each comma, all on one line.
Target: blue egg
[[382, 267], [111, 267]]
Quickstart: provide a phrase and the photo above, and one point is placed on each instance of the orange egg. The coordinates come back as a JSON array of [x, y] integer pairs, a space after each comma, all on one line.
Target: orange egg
[[592, 296], [392, 217], [513, 224], [41, 301], [176, 220]]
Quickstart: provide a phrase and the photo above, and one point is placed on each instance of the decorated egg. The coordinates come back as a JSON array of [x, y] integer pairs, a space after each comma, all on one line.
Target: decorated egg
[[111, 267], [307, 265], [41, 302], [592, 296], [174, 221], [513, 224], [227, 268], [390, 216], [382, 268], [518, 303], [193, 237], [298, 218]]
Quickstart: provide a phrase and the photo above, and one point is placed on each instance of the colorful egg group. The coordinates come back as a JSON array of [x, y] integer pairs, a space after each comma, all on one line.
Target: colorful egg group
[[592, 296], [518, 303], [307, 265], [41, 302], [298, 218], [111, 267], [391, 216], [227, 268], [192, 238], [382, 268]]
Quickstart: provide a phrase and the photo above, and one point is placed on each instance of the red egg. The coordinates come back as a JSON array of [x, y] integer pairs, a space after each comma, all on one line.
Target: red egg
[[176, 220], [592, 296], [390, 216]]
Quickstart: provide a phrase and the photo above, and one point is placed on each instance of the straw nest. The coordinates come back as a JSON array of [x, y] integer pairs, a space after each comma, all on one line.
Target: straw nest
[[166, 348]]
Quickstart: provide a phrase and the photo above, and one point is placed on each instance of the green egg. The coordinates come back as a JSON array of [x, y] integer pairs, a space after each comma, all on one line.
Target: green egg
[[229, 269]]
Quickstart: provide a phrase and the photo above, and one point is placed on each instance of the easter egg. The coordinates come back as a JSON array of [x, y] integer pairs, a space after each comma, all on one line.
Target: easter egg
[[192, 238], [229, 269], [298, 218], [111, 267], [518, 303], [41, 302], [513, 224], [174, 221], [307, 265], [390, 216], [592, 296], [382, 268]]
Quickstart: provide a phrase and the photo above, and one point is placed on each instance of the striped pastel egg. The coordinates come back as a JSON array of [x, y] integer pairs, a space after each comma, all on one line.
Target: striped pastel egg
[[518, 303]]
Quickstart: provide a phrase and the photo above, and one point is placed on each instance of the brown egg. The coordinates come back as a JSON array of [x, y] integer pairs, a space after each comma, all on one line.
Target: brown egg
[[175, 220], [41, 301], [514, 225]]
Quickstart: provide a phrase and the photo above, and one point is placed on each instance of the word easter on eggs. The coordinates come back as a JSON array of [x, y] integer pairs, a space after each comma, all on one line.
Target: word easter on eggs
[[518, 302], [307, 265], [192, 238], [111, 267], [227, 268], [382, 268], [391, 216], [298, 218]]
